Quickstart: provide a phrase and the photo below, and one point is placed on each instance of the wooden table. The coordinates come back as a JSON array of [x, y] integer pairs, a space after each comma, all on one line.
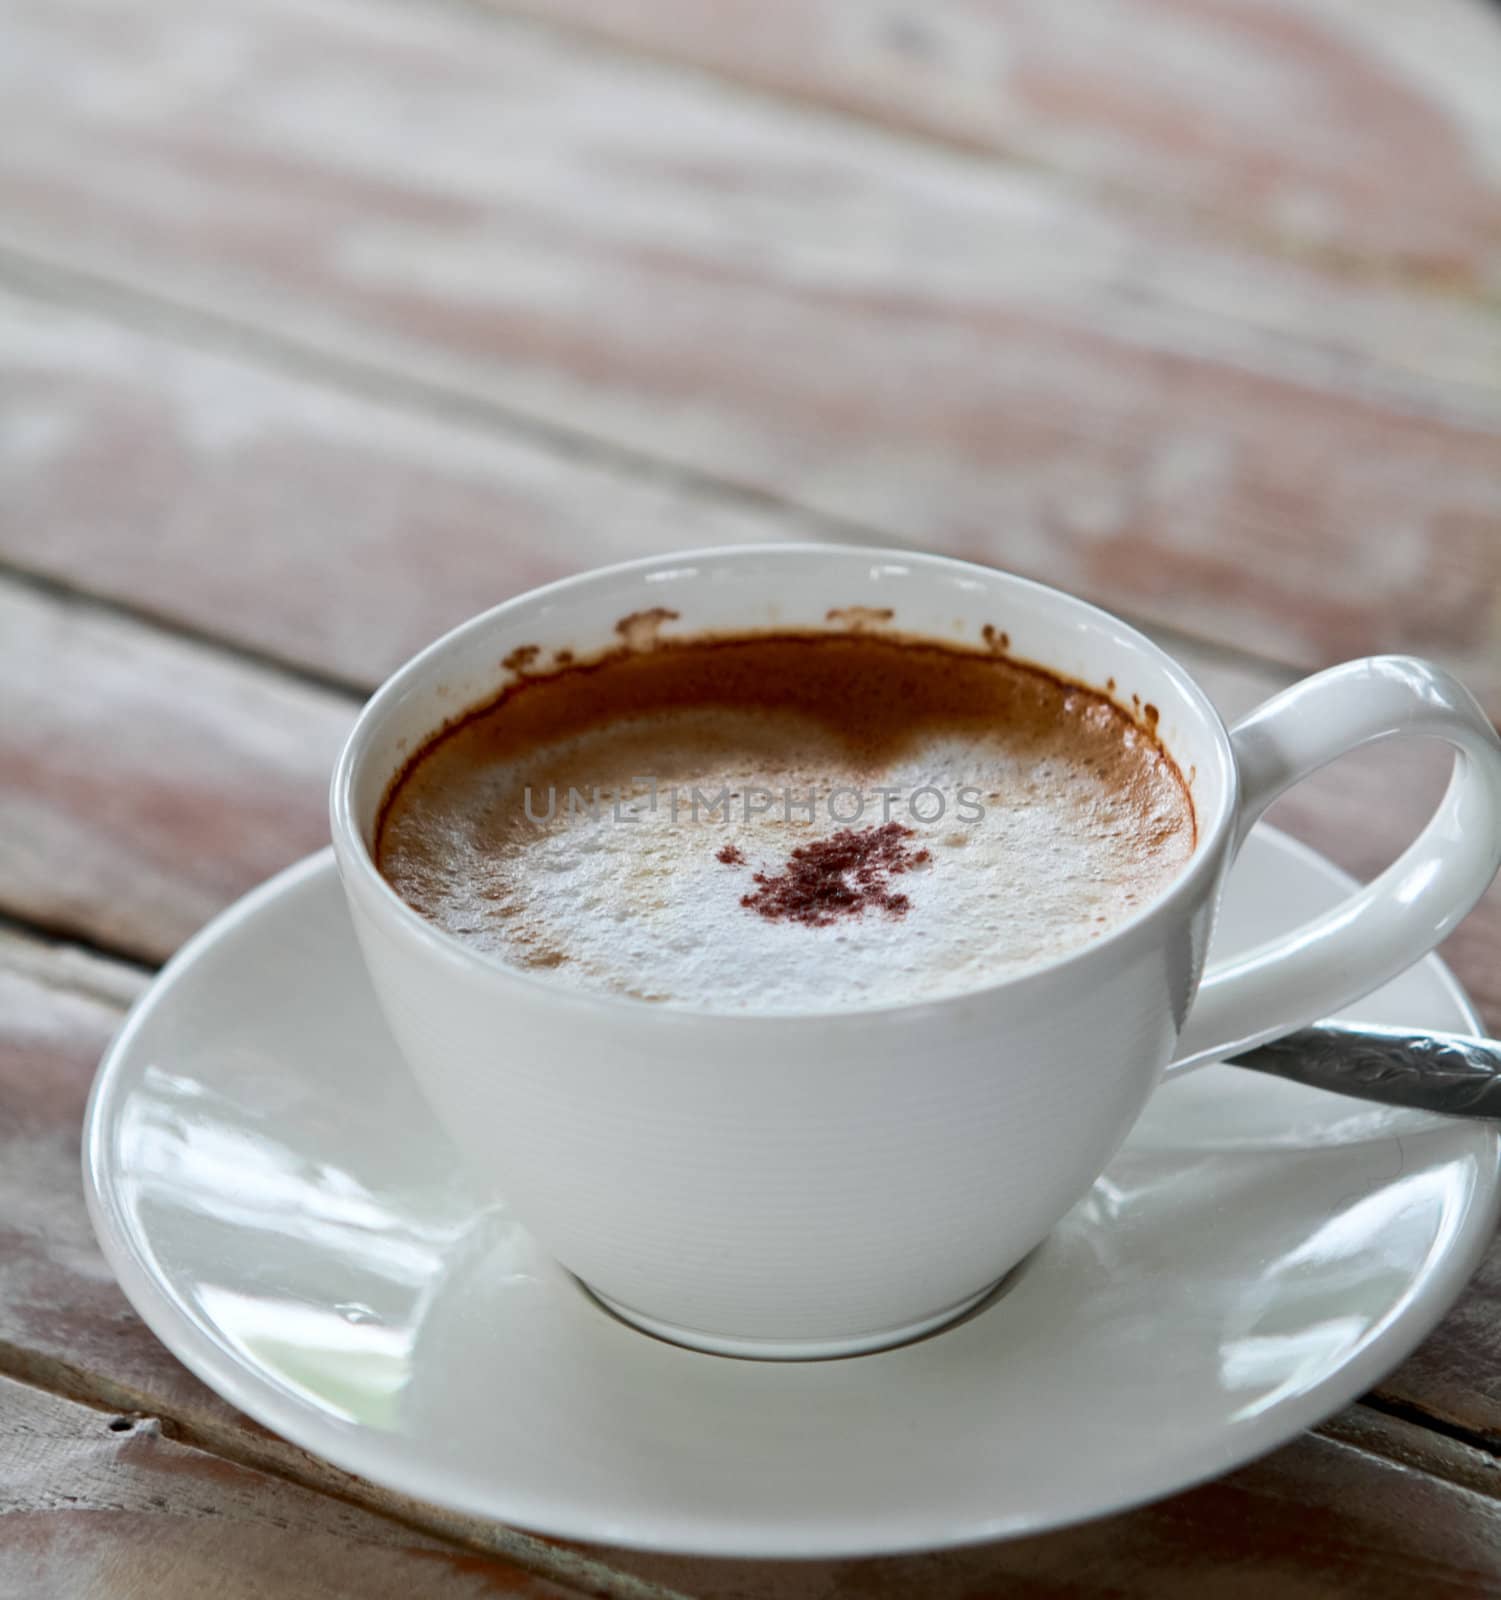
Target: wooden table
[[328, 322]]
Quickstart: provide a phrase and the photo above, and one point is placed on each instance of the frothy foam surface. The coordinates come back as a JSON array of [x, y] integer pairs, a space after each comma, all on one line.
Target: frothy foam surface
[[1059, 818]]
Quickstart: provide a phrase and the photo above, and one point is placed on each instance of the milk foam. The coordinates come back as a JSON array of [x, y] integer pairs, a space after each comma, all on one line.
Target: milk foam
[[1079, 827]]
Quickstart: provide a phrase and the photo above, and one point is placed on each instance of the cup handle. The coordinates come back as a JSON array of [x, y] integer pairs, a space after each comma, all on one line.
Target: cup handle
[[1384, 927]]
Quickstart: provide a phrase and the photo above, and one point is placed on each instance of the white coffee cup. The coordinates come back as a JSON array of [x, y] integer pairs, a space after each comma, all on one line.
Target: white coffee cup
[[820, 1184]]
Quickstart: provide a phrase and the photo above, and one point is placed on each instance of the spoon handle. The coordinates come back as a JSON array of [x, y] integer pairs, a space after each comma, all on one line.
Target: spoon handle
[[1451, 1073]]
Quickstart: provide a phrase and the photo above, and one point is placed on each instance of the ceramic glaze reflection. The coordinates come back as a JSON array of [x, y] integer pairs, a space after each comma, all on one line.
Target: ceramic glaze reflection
[[234, 1160]]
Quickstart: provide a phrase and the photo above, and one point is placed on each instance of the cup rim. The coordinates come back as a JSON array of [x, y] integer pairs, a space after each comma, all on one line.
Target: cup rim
[[358, 870]]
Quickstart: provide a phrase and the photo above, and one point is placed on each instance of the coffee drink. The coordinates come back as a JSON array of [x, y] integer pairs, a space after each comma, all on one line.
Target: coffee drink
[[787, 823]]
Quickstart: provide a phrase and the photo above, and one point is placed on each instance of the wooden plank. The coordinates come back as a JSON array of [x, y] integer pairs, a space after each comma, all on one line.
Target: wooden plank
[[1454, 1377], [145, 781], [1357, 1512], [1366, 134], [944, 352], [97, 1505], [335, 531], [1328, 1516]]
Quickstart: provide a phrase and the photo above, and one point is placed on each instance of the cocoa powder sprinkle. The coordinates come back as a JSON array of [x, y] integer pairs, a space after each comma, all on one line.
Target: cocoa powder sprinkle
[[835, 877]]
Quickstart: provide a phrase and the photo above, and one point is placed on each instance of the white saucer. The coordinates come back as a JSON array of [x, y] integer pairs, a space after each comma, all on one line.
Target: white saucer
[[282, 1211]]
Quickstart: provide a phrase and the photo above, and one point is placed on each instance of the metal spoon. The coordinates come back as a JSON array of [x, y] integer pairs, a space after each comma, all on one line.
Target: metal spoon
[[1452, 1073]]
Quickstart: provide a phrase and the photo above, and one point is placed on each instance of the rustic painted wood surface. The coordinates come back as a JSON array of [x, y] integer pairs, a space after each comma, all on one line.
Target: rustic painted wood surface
[[1383, 156], [147, 780], [976, 355], [326, 324], [95, 1503], [335, 530]]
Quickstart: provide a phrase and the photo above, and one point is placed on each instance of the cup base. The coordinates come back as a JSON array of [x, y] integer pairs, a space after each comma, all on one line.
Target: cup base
[[718, 1344]]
